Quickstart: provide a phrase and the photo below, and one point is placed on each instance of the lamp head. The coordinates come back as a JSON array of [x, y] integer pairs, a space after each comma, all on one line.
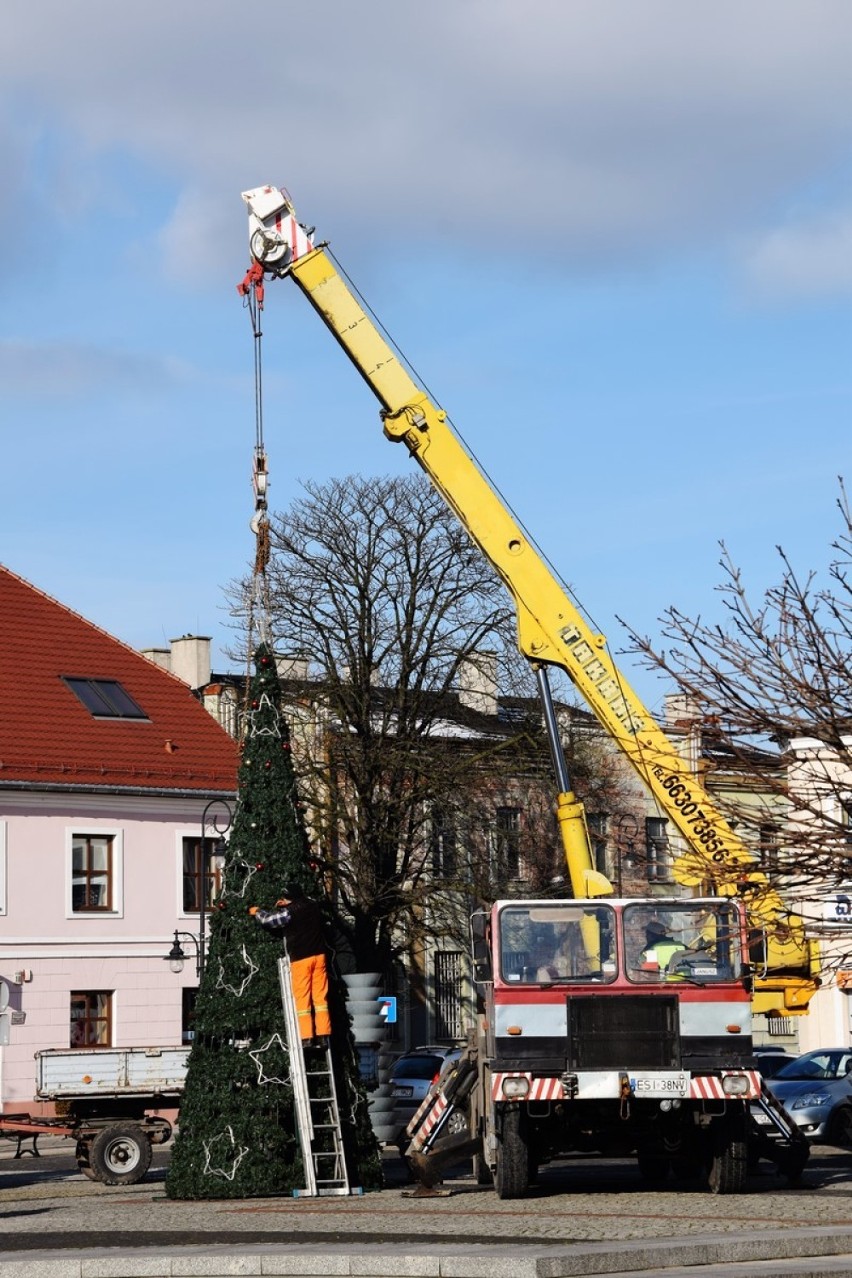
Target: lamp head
[[176, 956]]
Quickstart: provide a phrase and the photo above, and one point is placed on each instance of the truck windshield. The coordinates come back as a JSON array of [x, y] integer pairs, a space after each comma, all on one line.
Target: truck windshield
[[549, 943], [694, 941]]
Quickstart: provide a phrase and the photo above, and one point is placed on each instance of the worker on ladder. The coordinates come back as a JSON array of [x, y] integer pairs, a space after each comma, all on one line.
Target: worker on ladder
[[298, 921]]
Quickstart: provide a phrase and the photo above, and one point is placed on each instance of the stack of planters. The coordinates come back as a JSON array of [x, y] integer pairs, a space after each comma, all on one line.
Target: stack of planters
[[371, 1032]]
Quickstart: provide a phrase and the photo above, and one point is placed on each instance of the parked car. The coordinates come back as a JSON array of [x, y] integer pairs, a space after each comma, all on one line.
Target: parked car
[[772, 1059], [410, 1078], [816, 1091]]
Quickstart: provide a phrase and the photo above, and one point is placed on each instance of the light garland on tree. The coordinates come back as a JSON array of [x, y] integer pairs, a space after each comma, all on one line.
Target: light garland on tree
[[251, 871], [251, 966], [227, 1134], [264, 709], [262, 1078]]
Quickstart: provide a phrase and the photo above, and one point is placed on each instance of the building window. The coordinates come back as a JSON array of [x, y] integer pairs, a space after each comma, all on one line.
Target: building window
[[507, 843], [202, 872], [657, 850], [104, 698], [598, 824], [444, 840], [846, 818], [91, 1018], [448, 994], [94, 861], [768, 848], [91, 873], [189, 998]]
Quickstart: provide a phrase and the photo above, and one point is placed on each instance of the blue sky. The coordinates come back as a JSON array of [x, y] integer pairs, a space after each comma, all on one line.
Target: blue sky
[[614, 238]]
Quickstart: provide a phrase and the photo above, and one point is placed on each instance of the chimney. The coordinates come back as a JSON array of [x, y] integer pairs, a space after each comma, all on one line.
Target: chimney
[[683, 715], [681, 710], [478, 682], [292, 666], [161, 657], [191, 659]]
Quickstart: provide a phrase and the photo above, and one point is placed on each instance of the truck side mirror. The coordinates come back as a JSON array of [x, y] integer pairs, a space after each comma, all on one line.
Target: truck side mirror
[[481, 947]]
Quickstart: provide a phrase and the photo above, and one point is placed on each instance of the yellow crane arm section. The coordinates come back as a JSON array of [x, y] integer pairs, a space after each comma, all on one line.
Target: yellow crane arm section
[[550, 628]]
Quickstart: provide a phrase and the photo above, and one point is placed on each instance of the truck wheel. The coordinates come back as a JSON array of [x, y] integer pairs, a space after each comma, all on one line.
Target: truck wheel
[[512, 1174], [120, 1154], [727, 1166], [481, 1171]]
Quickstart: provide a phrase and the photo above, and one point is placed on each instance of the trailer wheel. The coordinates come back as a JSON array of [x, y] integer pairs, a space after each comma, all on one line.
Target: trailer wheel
[[83, 1160], [512, 1174], [120, 1154]]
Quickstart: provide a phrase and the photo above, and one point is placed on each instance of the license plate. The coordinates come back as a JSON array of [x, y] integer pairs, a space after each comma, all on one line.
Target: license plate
[[668, 1084], [405, 1092]]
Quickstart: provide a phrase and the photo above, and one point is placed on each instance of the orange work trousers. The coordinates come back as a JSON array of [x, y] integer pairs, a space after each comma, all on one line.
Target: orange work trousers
[[309, 977]]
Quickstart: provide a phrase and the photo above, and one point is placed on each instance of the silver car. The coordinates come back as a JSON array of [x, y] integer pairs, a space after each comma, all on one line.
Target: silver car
[[816, 1091], [411, 1076]]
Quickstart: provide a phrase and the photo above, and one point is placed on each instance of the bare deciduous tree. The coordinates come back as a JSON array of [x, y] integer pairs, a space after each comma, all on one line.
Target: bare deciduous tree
[[375, 583], [771, 689]]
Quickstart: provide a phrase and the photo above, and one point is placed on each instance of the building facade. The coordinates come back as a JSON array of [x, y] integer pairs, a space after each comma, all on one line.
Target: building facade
[[113, 785]]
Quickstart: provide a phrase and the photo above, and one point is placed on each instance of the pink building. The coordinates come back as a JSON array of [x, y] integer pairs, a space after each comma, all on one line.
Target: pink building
[[108, 765]]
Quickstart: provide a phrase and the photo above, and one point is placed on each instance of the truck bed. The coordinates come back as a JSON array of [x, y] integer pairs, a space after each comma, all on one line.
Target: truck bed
[[110, 1071]]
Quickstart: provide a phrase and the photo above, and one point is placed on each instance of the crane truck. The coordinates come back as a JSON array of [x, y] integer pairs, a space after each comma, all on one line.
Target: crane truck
[[623, 1051]]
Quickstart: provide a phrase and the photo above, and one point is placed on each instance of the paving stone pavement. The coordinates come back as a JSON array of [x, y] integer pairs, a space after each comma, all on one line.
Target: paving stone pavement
[[591, 1217]]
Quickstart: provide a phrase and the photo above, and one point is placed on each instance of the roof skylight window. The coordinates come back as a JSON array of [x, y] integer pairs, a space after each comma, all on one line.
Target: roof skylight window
[[105, 698]]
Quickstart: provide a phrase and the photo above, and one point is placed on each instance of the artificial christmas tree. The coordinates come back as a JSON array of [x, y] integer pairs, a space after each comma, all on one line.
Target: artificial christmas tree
[[237, 1136]]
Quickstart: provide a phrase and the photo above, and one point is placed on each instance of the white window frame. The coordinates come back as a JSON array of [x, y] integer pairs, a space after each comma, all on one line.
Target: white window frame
[[95, 830]]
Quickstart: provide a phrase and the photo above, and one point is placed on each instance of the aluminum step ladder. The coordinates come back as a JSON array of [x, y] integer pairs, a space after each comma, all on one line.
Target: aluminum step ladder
[[317, 1110]]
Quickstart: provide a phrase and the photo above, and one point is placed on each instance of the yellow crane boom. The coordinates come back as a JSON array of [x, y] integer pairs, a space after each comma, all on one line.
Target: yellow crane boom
[[551, 630]]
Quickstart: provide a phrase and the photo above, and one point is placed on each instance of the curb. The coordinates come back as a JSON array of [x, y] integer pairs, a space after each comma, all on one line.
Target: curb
[[557, 1261]]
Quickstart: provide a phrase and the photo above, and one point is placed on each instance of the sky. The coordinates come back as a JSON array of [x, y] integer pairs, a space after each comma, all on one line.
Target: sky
[[614, 238]]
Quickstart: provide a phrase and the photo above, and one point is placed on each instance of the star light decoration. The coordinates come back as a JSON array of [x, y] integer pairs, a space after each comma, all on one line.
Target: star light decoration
[[264, 708], [251, 968], [262, 1077], [241, 1151], [250, 872]]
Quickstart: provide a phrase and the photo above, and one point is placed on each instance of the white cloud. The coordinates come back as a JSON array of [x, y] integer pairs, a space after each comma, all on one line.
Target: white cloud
[[604, 129], [808, 259]]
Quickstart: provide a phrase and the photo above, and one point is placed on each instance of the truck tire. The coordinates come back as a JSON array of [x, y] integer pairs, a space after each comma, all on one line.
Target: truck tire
[[727, 1164], [481, 1171], [512, 1173], [120, 1154]]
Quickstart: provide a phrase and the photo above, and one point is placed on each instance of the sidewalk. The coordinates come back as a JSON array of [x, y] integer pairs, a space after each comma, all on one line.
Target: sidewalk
[[592, 1219]]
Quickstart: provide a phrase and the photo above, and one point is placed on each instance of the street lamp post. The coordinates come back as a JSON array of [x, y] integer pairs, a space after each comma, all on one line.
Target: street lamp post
[[625, 848], [219, 823], [216, 820]]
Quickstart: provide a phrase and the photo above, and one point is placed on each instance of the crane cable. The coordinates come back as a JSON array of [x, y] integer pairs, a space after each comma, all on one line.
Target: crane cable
[[252, 290]]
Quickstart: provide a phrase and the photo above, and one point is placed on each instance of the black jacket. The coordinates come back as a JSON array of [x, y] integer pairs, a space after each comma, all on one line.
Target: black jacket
[[299, 924]]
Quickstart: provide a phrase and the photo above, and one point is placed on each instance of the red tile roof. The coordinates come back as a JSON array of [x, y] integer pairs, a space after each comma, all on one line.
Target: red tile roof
[[48, 737]]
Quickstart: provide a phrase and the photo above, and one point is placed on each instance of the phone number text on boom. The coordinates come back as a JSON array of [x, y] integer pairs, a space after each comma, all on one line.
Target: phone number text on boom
[[699, 823]]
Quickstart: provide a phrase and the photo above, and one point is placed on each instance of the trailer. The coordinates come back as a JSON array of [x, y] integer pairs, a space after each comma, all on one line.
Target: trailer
[[107, 1100]]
